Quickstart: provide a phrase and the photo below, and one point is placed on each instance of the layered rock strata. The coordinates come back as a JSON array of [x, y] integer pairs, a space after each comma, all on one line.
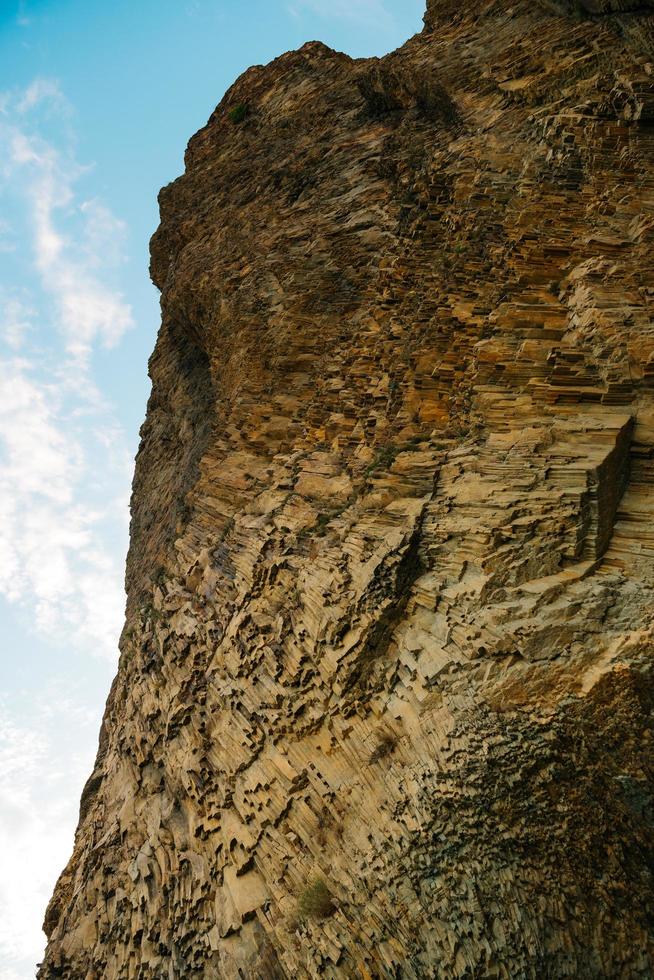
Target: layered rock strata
[[384, 703]]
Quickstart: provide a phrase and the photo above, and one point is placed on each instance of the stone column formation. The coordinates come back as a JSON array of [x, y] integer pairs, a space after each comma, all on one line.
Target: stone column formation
[[384, 702]]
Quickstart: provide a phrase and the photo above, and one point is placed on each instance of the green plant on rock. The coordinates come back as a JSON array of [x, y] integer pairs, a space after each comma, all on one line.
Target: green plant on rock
[[316, 901], [385, 455], [238, 113], [322, 523], [383, 459], [148, 612]]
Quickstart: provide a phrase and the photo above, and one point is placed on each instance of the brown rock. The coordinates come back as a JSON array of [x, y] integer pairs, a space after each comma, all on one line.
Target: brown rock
[[394, 489]]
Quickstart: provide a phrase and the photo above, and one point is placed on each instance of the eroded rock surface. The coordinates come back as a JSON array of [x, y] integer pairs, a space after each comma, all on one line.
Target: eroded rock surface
[[384, 704]]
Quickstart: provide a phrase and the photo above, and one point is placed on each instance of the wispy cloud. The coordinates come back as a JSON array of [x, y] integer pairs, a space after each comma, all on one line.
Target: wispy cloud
[[22, 18], [50, 524], [6, 244], [362, 11], [56, 431], [70, 267], [15, 319], [38, 802], [43, 90], [64, 479]]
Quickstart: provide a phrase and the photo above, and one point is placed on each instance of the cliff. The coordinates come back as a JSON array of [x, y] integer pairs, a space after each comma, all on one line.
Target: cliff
[[384, 702]]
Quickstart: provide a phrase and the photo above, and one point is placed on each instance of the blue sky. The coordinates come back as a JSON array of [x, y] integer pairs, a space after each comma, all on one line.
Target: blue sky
[[97, 103]]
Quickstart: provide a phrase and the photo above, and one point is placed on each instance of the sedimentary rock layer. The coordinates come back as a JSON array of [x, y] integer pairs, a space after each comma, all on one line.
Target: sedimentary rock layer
[[384, 703]]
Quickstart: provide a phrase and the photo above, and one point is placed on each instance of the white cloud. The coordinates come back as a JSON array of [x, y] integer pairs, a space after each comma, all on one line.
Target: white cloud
[[15, 319], [50, 530], [43, 90], [62, 528], [38, 810], [72, 267], [104, 235], [64, 482]]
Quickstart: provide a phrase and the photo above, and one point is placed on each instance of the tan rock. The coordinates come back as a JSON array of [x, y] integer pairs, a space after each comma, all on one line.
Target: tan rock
[[388, 651]]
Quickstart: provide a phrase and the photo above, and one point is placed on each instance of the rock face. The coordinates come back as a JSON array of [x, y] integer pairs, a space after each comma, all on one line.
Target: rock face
[[384, 704]]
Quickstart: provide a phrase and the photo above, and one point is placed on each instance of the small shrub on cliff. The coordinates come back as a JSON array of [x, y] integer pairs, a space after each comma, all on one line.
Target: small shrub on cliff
[[327, 823], [379, 89], [149, 613], [385, 746], [238, 113], [316, 901], [383, 459], [386, 90], [434, 101], [322, 524]]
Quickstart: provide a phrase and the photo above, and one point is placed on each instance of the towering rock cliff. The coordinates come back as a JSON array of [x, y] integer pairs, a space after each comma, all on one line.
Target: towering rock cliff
[[384, 704]]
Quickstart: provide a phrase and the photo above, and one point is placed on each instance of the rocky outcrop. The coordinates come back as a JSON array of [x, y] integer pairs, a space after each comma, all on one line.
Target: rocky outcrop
[[384, 704]]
